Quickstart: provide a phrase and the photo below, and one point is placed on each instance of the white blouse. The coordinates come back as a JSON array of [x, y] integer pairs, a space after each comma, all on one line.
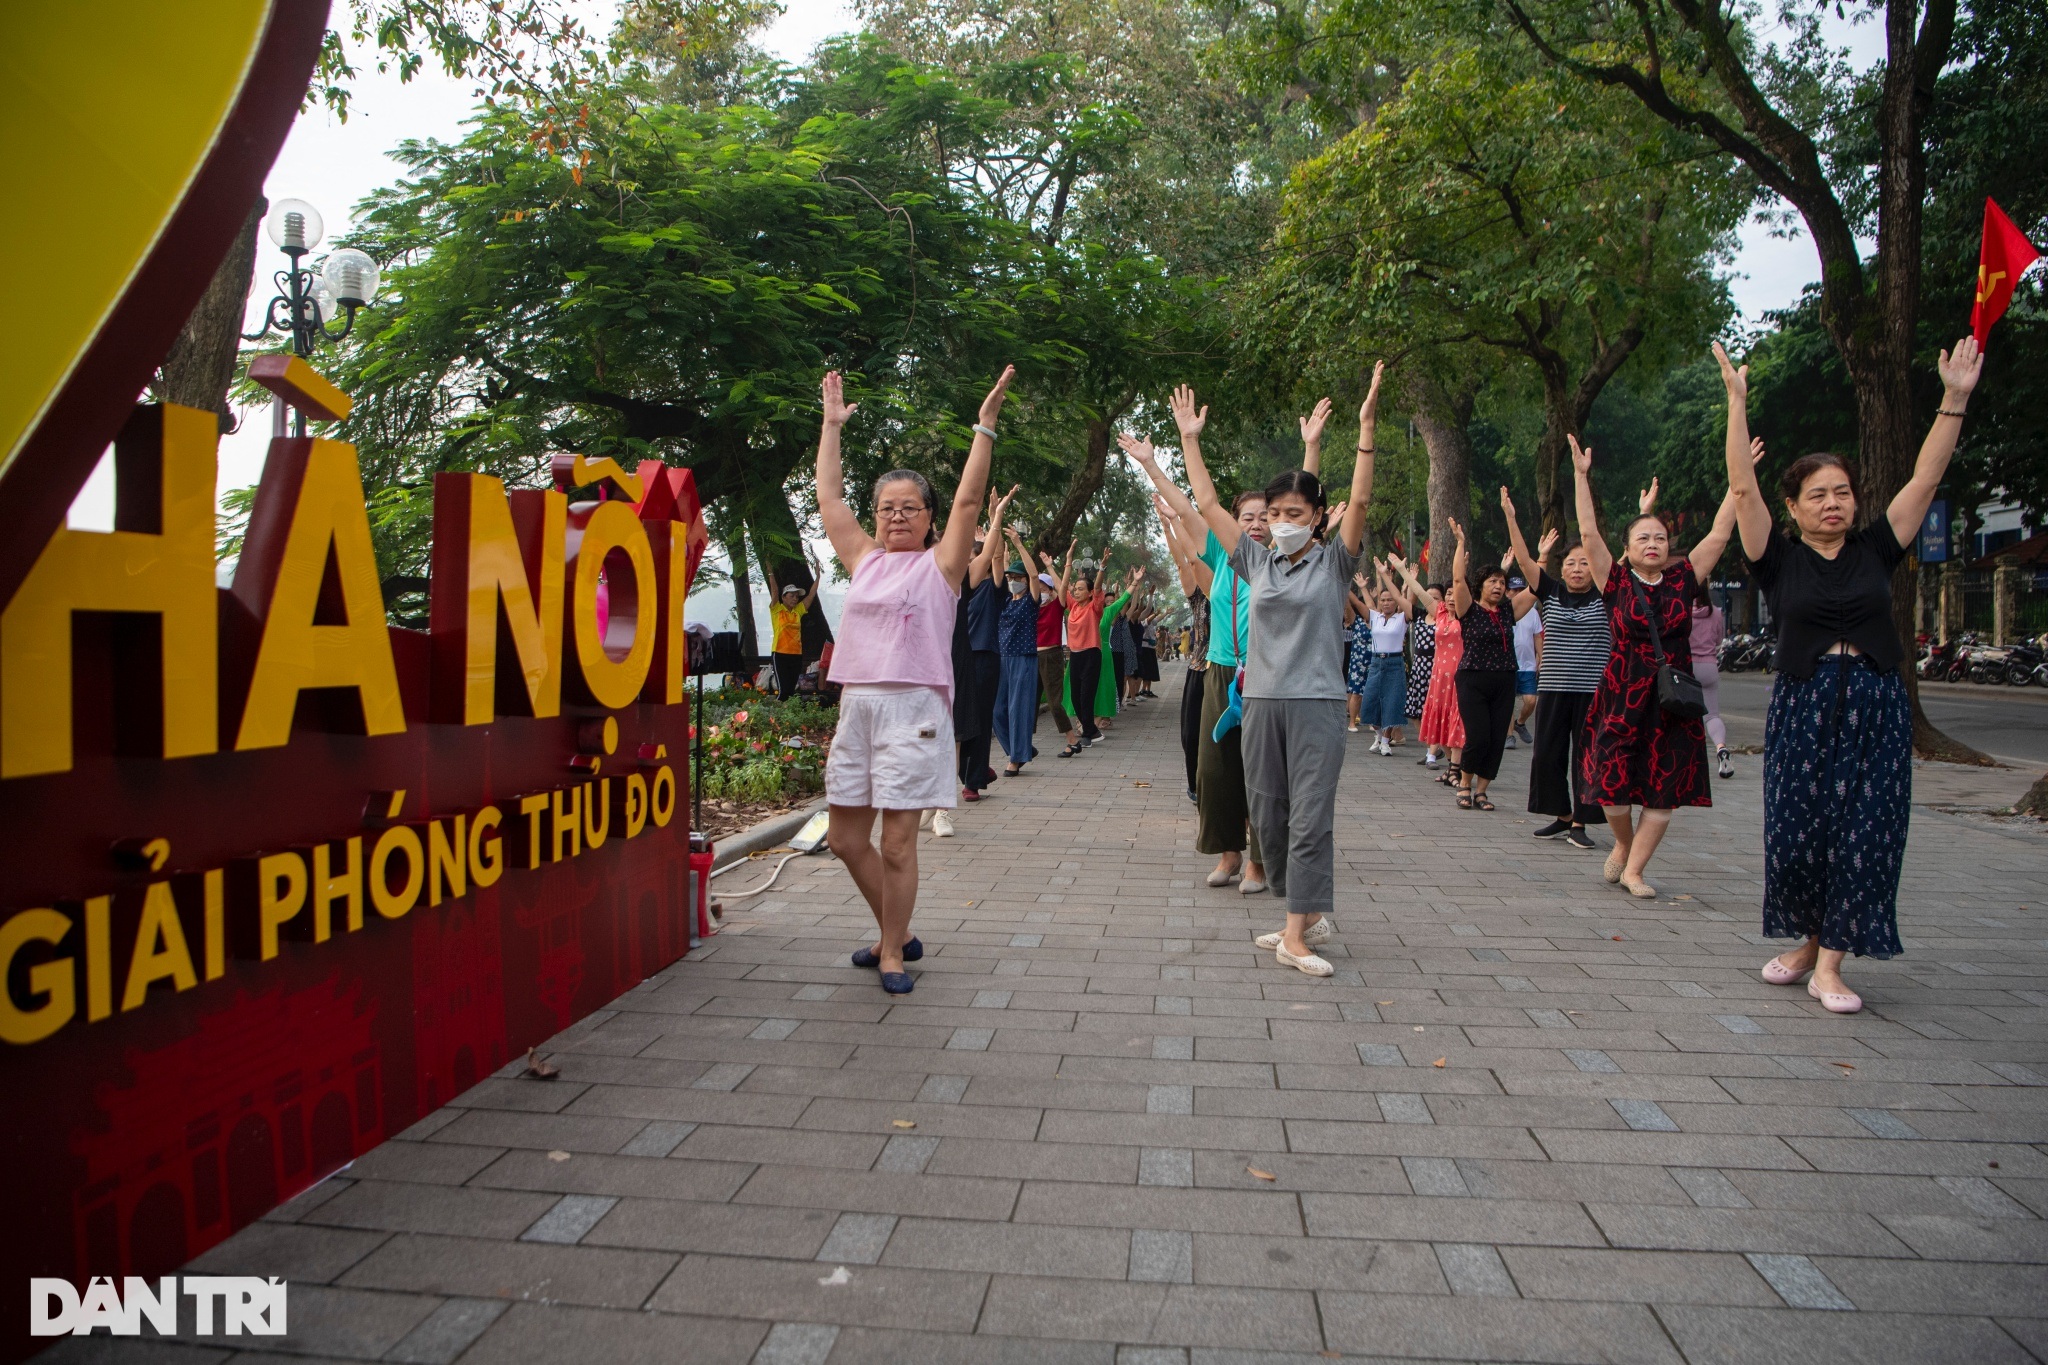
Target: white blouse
[[1389, 633]]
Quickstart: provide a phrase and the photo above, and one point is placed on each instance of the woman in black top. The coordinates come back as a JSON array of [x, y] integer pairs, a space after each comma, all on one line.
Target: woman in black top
[[1838, 777], [1486, 673]]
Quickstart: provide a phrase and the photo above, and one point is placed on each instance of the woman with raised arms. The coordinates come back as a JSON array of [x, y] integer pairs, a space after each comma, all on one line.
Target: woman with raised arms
[[1294, 711], [1838, 738], [893, 750]]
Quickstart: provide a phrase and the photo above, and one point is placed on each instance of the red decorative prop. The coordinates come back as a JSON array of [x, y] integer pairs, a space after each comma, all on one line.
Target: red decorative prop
[[2001, 261]]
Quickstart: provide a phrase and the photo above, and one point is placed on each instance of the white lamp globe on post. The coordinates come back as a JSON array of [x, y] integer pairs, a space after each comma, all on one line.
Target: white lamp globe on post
[[307, 300]]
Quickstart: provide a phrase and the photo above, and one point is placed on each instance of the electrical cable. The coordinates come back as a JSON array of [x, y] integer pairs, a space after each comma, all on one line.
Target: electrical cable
[[742, 895]]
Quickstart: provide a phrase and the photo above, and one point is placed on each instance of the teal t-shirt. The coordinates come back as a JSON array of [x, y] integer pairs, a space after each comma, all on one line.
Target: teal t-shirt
[[1225, 635]]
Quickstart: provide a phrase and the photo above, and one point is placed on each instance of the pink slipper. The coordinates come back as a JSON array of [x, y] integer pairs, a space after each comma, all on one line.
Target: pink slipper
[[1778, 974], [1836, 1002]]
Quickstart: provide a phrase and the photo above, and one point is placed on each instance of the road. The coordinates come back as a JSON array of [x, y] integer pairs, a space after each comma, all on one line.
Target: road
[[2009, 723]]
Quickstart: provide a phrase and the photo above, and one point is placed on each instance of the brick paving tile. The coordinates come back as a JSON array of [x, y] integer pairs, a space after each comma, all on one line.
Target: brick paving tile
[[1133, 1138]]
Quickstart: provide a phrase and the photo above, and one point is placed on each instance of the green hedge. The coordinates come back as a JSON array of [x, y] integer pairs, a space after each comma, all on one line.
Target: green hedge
[[748, 755]]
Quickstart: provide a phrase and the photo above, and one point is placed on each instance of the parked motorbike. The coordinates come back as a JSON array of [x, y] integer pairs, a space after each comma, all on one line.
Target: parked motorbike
[[2023, 661]]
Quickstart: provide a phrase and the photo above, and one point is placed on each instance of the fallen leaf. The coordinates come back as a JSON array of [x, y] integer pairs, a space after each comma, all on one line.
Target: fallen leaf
[[902, 1123], [1383, 1002], [1418, 1028], [1846, 1066], [1141, 784], [1439, 1061], [839, 1276], [1263, 1175], [1300, 1007], [1682, 896], [1994, 1165], [1617, 938], [558, 1156], [538, 1068]]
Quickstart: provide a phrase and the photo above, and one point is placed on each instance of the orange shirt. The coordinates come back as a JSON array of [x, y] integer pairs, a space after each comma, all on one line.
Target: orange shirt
[[1084, 622], [789, 627]]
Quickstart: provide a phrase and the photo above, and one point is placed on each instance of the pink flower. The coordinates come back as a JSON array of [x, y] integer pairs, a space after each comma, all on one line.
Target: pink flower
[[739, 718]]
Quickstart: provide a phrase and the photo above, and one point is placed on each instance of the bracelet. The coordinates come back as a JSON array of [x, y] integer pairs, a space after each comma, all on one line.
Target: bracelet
[[1947, 412], [985, 431], [1367, 450]]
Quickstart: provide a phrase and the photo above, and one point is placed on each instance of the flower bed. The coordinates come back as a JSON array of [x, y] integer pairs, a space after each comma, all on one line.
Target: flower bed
[[760, 756]]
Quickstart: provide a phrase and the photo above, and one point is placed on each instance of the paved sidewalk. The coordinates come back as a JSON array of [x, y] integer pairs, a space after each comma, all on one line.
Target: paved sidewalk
[[1530, 1119]]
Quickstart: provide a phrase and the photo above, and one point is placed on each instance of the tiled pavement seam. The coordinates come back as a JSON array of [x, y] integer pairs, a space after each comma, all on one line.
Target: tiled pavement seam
[[1530, 1119]]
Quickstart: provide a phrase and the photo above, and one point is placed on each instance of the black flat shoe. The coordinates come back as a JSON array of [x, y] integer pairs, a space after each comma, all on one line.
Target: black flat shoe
[[898, 983], [913, 951]]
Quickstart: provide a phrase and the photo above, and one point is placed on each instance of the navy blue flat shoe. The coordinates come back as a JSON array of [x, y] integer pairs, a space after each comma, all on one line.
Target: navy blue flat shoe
[[913, 951], [898, 983]]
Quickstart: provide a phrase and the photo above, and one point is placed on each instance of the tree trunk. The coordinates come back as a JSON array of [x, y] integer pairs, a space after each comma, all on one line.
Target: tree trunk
[[778, 541], [1052, 538], [1443, 416], [1560, 421], [2035, 802], [742, 592], [201, 365]]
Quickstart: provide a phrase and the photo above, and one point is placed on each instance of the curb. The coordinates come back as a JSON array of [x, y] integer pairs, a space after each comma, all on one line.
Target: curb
[[767, 834]]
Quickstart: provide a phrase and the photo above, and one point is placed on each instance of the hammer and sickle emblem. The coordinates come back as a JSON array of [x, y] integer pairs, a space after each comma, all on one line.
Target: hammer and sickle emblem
[[1987, 285]]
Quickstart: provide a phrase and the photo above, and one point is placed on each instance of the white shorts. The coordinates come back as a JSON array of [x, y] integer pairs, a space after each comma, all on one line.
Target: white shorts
[[893, 749]]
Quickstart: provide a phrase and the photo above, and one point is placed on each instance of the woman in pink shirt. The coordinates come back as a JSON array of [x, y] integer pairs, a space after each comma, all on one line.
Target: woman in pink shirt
[[893, 749]]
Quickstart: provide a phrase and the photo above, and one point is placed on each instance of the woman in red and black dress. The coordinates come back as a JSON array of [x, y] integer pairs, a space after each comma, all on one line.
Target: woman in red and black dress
[[1636, 753]]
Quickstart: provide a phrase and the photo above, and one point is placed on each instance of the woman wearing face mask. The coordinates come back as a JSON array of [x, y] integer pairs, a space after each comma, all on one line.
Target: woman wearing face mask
[[1224, 825], [1637, 753], [1576, 644], [892, 753], [1486, 672], [1085, 601], [1294, 681], [1838, 739], [1017, 649]]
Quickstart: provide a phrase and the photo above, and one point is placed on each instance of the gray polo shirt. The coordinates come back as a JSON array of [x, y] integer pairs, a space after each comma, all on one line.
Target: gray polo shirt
[[1296, 649]]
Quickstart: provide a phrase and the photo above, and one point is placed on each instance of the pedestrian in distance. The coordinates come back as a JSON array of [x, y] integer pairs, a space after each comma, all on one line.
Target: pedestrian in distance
[[1386, 679], [1838, 738], [1196, 578], [977, 664], [891, 756], [787, 608], [1051, 592]]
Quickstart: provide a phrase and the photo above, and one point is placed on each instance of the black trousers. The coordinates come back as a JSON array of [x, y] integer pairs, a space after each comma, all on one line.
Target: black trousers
[[1486, 703], [788, 668], [1084, 675], [1554, 787], [974, 746], [1191, 719]]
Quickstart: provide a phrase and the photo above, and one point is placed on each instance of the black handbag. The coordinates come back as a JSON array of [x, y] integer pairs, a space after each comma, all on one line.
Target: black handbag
[[1678, 693]]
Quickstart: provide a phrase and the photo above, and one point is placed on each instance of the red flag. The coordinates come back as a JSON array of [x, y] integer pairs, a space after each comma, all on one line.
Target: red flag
[[2005, 256]]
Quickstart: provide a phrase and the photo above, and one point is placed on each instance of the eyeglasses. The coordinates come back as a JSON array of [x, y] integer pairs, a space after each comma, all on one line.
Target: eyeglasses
[[889, 511]]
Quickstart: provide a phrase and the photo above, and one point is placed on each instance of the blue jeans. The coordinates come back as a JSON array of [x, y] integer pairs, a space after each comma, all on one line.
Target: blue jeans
[[1385, 695]]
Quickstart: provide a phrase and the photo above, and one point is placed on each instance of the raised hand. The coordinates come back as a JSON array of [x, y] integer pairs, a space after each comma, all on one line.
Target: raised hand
[[1646, 500], [1185, 416], [1002, 502], [1456, 529], [1547, 544], [1397, 564], [1507, 504], [1582, 456], [1336, 512], [1138, 448], [1756, 450], [837, 409], [992, 406], [1960, 369], [1737, 381], [1313, 424], [1368, 411]]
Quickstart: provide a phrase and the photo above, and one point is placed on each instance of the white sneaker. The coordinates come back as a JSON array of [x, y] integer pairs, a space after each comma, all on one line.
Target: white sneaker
[[1315, 934], [1386, 749], [942, 824], [1354, 728], [1307, 966], [924, 821]]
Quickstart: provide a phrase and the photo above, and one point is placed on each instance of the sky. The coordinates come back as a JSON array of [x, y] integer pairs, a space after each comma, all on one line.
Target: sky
[[334, 165]]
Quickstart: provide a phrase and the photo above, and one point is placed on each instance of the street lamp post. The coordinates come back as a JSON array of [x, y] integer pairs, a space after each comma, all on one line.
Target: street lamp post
[[304, 302]]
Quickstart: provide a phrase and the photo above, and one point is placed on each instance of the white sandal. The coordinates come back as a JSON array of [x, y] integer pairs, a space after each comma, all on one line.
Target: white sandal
[[1315, 934], [1307, 966]]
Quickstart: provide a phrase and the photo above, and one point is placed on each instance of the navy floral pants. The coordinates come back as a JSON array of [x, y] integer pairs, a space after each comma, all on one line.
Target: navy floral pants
[[1838, 792]]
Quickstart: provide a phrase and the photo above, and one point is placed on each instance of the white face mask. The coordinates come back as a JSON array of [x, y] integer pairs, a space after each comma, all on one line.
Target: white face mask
[[1289, 536], [1016, 587]]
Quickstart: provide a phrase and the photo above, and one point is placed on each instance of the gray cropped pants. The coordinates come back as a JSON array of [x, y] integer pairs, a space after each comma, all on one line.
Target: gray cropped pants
[[1293, 753]]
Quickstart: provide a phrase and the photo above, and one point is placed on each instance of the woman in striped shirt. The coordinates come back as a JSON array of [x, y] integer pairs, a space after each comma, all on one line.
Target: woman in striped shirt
[[1576, 644]]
